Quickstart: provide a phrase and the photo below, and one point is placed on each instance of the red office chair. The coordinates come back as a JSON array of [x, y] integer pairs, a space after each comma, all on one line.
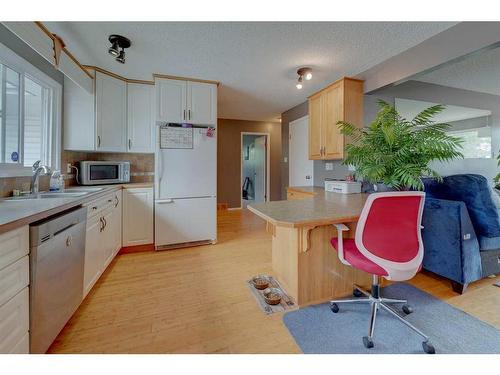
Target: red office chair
[[387, 243]]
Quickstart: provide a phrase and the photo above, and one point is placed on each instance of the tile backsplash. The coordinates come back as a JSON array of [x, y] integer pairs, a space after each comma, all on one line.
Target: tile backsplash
[[141, 170], [142, 166]]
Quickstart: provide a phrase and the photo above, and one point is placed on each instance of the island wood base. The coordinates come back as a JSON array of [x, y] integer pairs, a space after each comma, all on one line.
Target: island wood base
[[308, 267]]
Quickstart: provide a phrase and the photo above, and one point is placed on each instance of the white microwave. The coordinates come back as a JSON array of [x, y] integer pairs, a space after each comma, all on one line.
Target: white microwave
[[104, 172]]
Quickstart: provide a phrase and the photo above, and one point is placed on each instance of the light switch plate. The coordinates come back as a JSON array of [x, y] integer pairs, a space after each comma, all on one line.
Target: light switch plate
[[329, 166], [285, 159]]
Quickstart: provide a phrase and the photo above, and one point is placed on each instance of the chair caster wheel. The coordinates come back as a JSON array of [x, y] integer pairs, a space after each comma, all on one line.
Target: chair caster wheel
[[428, 348], [407, 309], [334, 307], [356, 293], [367, 342]]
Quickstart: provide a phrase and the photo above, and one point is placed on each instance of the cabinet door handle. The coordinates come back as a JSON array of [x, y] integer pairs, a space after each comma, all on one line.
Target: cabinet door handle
[[98, 141], [184, 115], [129, 144], [102, 224], [116, 201], [189, 114], [105, 223]]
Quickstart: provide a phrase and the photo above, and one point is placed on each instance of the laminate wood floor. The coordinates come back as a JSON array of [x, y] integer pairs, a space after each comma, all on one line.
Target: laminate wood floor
[[195, 300]]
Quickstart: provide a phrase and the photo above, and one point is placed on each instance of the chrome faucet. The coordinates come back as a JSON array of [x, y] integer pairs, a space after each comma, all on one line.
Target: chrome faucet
[[37, 170]]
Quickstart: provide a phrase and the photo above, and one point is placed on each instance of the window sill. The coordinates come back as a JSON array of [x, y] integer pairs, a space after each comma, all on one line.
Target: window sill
[[8, 170]]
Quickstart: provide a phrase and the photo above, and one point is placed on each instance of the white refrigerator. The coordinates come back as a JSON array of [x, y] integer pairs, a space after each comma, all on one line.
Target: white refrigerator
[[185, 187]]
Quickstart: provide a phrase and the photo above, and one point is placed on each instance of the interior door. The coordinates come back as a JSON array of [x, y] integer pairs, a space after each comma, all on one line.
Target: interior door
[[201, 99], [299, 166], [111, 122], [332, 112], [315, 145], [171, 100], [259, 157]]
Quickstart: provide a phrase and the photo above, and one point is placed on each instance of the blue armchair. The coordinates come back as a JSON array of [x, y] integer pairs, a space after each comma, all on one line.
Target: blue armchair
[[461, 229]]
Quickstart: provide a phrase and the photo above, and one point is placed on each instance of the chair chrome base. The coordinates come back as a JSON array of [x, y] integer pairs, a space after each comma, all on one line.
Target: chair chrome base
[[377, 302]]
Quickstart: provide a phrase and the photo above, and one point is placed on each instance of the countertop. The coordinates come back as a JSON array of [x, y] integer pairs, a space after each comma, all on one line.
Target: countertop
[[323, 208], [307, 189], [16, 213]]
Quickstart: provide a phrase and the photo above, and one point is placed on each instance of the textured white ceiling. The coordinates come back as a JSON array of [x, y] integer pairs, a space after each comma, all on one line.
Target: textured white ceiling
[[478, 72], [256, 62]]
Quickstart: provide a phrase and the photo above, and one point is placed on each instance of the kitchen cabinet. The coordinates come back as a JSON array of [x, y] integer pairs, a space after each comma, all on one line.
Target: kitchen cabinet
[[103, 237], [93, 253], [79, 118], [110, 113], [201, 103], [14, 291], [137, 216], [140, 118], [119, 117], [340, 101], [117, 221], [179, 101]]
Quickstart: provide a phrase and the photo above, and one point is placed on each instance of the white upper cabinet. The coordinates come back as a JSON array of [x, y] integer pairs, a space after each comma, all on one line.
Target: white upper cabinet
[[179, 101], [111, 104], [171, 100], [79, 118], [140, 117], [202, 103]]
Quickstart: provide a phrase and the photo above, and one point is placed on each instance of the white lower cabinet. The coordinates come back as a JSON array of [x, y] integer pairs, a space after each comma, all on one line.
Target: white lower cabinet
[[14, 291], [103, 238], [14, 324], [137, 216], [93, 253]]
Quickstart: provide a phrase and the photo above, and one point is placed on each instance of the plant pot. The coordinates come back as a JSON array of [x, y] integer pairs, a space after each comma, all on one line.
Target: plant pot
[[381, 188]]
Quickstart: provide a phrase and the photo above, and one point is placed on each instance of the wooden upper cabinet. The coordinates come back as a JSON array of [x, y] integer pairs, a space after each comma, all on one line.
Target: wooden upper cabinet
[[340, 101], [315, 145]]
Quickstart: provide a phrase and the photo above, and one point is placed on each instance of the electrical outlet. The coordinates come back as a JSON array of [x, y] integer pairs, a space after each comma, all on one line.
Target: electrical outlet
[[329, 166], [68, 168], [285, 159]]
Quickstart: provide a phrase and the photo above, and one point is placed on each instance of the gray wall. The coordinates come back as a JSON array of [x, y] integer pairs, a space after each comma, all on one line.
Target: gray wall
[[11, 41], [447, 95]]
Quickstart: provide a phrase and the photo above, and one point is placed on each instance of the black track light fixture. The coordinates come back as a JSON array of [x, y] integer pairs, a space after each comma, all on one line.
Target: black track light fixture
[[118, 45]]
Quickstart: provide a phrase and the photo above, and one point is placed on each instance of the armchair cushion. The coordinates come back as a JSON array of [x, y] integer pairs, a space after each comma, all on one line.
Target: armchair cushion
[[474, 191]]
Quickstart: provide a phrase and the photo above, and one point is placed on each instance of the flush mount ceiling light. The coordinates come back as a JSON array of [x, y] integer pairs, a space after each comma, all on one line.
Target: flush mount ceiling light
[[118, 45], [304, 73]]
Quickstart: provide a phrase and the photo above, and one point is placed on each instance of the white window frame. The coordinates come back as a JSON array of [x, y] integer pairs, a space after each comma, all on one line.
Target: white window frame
[[22, 66]]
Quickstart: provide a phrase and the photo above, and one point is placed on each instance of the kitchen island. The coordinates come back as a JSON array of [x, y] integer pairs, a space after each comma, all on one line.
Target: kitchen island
[[303, 260]]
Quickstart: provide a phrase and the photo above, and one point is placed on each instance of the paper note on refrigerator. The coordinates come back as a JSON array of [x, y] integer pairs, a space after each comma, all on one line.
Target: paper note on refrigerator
[[172, 137]]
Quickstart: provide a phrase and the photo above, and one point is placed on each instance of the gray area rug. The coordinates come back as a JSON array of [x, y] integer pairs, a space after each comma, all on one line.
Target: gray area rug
[[317, 330]]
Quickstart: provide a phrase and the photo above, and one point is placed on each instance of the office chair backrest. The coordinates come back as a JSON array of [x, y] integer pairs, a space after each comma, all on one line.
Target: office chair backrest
[[388, 232]]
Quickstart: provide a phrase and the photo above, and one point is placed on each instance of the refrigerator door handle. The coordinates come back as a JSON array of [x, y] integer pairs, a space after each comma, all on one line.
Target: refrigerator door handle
[[164, 201]]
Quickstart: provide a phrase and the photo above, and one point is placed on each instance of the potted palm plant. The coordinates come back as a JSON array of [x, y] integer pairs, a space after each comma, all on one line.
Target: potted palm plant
[[396, 152]]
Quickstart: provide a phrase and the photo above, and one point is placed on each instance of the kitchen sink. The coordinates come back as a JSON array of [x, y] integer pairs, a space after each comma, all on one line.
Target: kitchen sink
[[45, 195], [64, 194]]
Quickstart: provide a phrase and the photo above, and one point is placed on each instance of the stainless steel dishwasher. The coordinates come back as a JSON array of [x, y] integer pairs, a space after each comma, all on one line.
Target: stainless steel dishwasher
[[56, 266]]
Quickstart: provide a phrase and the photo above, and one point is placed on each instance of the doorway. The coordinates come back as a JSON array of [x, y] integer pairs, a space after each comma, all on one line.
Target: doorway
[[300, 168], [255, 158]]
